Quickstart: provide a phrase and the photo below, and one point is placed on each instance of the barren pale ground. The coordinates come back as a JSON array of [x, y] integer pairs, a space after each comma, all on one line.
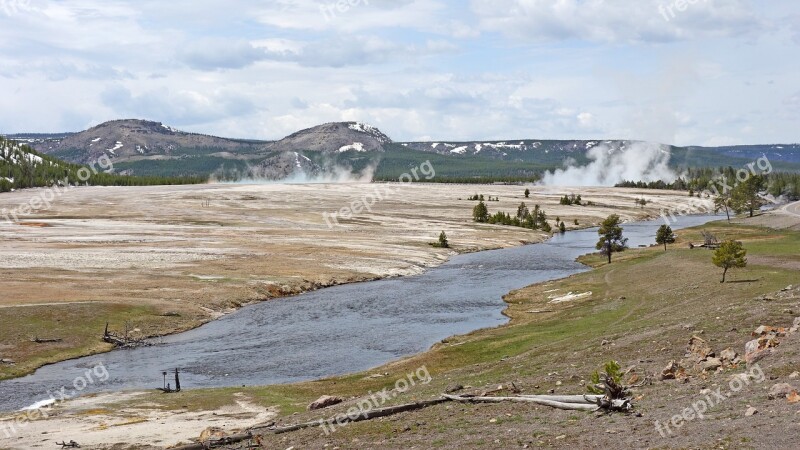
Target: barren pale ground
[[111, 254]]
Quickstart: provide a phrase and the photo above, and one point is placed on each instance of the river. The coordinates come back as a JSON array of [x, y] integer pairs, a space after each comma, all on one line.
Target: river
[[337, 330]]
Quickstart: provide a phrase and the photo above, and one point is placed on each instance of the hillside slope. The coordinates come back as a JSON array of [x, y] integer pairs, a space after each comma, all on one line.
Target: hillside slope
[[151, 148], [23, 167], [125, 140]]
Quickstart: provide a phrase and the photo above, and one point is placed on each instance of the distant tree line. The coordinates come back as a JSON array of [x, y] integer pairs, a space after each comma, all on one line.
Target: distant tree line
[[697, 180], [22, 167]]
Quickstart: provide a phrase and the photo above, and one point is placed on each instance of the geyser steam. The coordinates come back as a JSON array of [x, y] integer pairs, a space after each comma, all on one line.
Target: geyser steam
[[638, 161]]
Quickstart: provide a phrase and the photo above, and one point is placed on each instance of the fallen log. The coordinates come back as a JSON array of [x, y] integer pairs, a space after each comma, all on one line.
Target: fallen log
[[539, 401], [45, 341], [123, 342], [593, 399], [340, 419]]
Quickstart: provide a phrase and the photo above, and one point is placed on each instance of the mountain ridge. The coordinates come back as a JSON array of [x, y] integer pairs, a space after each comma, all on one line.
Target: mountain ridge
[[143, 147]]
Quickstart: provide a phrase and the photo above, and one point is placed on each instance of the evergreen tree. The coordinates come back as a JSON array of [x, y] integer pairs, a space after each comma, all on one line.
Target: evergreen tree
[[665, 236], [611, 239], [480, 213], [730, 255]]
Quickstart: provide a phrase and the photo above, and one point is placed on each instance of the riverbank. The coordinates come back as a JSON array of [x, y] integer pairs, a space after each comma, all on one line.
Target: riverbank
[[161, 260], [641, 320]]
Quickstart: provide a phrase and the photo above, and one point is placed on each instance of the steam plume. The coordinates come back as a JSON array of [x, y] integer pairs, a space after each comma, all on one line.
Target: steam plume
[[638, 161]]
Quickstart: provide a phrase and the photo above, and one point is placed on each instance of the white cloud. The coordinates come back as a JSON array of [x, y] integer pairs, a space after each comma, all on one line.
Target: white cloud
[[446, 69], [617, 21]]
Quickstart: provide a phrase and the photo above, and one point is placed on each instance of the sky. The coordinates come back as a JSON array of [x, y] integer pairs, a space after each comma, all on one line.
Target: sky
[[685, 72]]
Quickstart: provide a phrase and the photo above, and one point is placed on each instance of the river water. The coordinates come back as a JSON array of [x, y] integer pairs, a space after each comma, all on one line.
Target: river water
[[333, 331]]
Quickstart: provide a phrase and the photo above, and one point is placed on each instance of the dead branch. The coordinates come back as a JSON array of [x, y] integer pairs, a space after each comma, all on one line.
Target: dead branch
[[124, 342], [45, 341], [538, 401], [340, 420]]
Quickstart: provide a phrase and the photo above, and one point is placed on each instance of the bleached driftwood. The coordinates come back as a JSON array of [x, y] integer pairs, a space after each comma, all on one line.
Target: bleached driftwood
[[582, 406]]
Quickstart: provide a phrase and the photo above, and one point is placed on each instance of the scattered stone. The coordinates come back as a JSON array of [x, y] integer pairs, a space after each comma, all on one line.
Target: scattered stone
[[605, 342], [795, 325], [9, 362], [670, 372], [558, 383], [711, 364], [212, 433], [454, 388], [765, 330], [324, 402], [758, 349], [794, 397], [787, 288], [728, 355], [699, 348], [780, 390], [492, 420], [750, 412], [794, 375]]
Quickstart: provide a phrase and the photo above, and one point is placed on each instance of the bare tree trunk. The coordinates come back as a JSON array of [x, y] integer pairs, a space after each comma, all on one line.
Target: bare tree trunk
[[724, 272]]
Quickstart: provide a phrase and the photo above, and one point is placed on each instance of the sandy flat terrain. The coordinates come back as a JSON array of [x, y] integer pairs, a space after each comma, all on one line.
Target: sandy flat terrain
[[199, 251], [97, 420], [202, 251]]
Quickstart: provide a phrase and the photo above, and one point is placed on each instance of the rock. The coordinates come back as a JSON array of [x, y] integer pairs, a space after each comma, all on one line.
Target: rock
[[763, 330], [758, 349], [794, 375], [454, 388], [699, 348], [325, 401], [9, 362], [212, 433], [780, 390], [751, 412], [605, 342], [728, 355], [670, 372], [787, 288], [794, 397], [711, 364]]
